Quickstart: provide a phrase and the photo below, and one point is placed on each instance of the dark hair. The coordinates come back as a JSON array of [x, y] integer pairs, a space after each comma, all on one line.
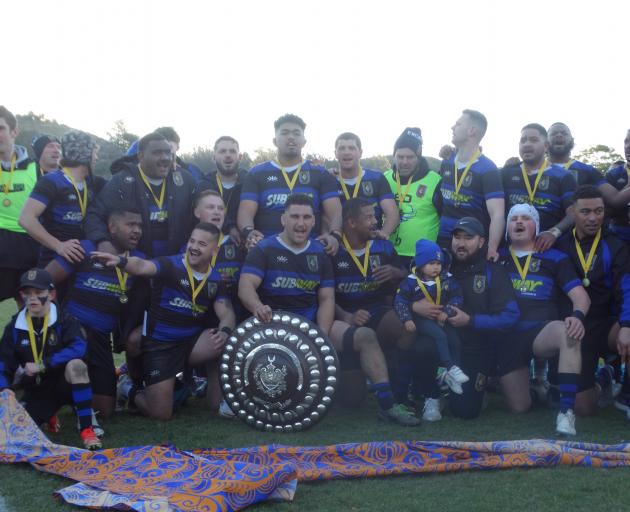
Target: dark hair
[[478, 119], [289, 118], [225, 138], [208, 228], [206, 193], [558, 123], [119, 209], [144, 142], [299, 199], [538, 127], [352, 208], [8, 117], [169, 133], [348, 136], [587, 192]]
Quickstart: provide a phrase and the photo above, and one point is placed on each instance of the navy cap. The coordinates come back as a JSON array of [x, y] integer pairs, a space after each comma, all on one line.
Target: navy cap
[[471, 226], [37, 278]]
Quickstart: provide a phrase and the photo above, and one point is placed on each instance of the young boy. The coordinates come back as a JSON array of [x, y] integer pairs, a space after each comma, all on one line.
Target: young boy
[[48, 347], [429, 281]]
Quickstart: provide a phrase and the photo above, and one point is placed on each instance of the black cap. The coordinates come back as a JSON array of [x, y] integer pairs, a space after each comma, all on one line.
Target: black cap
[[37, 278], [410, 138], [471, 226], [40, 142]]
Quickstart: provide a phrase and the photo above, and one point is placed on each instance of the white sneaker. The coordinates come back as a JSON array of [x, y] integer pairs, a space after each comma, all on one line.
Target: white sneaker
[[98, 430], [431, 410], [225, 411], [454, 379], [565, 423]]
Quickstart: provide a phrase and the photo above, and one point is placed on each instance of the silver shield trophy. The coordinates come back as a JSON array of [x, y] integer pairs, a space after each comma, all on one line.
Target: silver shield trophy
[[280, 376]]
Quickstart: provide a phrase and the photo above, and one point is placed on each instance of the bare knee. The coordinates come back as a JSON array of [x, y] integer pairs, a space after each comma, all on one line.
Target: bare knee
[[365, 339], [76, 370]]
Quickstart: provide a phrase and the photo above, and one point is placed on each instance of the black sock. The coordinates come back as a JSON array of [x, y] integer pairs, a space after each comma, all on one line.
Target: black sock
[[82, 398]]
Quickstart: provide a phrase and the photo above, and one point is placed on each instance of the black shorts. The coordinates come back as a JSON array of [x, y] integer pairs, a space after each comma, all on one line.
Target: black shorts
[[100, 361], [516, 349], [593, 346], [164, 360], [44, 400], [376, 317]]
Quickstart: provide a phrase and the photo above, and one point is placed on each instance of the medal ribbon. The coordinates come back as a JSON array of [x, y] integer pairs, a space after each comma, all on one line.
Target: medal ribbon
[[356, 185], [37, 357], [532, 193], [401, 196], [82, 198], [568, 164], [6, 187], [586, 264], [290, 181], [363, 268], [122, 277], [522, 271], [628, 173], [220, 187], [191, 279], [459, 182], [425, 292], [159, 202]]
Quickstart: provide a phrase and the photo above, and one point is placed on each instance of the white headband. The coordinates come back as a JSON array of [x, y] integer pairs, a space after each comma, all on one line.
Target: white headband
[[523, 209]]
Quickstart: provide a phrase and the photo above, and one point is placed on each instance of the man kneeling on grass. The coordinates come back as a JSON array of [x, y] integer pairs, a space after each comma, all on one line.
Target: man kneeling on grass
[[184, 287], [43, 349]]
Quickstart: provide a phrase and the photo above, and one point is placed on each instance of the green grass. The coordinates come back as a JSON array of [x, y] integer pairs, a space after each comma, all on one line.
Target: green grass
[[561, 489]]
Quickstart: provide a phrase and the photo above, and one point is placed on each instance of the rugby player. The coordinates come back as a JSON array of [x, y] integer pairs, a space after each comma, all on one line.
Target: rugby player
[[47, 151], [268, 185], [45, 348], [184, 288], [540, 279], [471, 184], [618, 177]]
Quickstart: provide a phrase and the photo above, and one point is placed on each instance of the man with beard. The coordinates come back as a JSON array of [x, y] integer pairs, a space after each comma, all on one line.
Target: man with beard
[[540, 279], [268, 185], [547, 187], [184, 287], [355, 181], [617, 176], [416, 190], [47, 152], [366, 274], [488, 313], [18, 175], [227, 181], [97, 296], [55, 211], [600, 260], [471, 184]]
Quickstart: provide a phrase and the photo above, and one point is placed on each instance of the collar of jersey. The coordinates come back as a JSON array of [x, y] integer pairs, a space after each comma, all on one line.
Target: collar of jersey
[[294, 251]]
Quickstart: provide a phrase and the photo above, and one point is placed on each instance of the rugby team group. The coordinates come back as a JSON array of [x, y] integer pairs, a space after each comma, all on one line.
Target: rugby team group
[[429, 283]]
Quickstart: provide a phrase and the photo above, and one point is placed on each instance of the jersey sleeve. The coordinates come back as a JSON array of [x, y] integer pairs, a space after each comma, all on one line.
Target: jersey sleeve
[[328, 274], [383, 190], [73, 344], [329, 186], [567, 188], [403, 300], [44, 191], [163, 265], [492, 184], [255, 263], [251, 189], [8, 361], [566, 276]]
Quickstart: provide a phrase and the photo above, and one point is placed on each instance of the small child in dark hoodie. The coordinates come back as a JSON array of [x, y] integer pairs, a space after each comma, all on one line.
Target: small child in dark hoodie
[[431, 281]]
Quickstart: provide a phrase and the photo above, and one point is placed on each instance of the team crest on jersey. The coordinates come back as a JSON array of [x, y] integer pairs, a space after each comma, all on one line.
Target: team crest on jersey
[[230, 252], [304, 177], [468, 180], [480, 382], [178, 179], [375, 261], [544, 183], [534, 266], [479, 284], [212, 289], [368, 188], [422, 189], [311, 261], [129, 179], [52, 339]]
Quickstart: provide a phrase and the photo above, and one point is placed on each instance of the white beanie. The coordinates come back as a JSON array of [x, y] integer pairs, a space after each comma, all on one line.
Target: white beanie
[[523, 209]]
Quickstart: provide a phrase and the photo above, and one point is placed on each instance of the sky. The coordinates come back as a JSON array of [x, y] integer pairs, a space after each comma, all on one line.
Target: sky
[[232, 67]]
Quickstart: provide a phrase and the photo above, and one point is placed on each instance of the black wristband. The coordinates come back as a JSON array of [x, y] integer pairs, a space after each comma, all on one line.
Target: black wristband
[[246, 231], [122, 263], [227, 330], [336, 234], [579, 315]]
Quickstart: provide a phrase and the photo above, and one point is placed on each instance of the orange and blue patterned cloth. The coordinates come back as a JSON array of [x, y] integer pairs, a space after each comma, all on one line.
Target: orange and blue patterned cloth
[[163, 478]]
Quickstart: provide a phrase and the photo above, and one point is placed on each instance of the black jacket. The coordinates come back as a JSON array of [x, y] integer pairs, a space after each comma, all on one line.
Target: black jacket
[[126, 187]]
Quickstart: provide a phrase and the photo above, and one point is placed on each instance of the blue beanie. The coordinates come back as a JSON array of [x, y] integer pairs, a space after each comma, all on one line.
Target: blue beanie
[[427, 251]]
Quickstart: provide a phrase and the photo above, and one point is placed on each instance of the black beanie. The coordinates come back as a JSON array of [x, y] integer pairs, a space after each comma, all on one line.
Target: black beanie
[[40, 142], [410, 138]]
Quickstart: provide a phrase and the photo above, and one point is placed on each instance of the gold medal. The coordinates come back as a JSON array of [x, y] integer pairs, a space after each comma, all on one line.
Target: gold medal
[[6, 202], [123, 299], [586, 282]]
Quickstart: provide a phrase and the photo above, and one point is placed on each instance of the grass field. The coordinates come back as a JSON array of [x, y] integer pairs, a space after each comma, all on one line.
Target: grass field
[[561, 489]]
